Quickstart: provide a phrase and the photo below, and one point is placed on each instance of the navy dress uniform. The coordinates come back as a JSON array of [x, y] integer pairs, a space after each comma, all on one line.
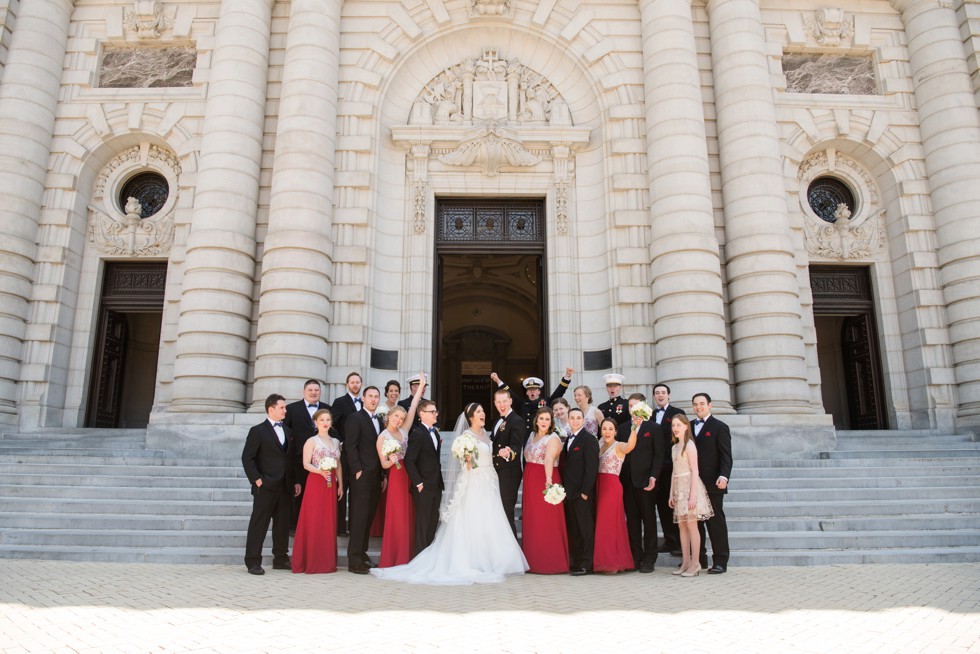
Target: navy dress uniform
[[615, 407]]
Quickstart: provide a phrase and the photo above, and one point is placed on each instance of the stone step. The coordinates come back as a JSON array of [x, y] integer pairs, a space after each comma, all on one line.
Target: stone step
[[891, 433], [117, 521], [127, 481], [910, 453], [821, 540], [144, 471], [107, 458], [852, 523], [849, 483], [802, 557], [866, 495], [879, 446], [132, 494], [81, 432], [130, 538], [821, 463], [122, 506], [935, 471], [54, 447], [836, 507], [70, 454]]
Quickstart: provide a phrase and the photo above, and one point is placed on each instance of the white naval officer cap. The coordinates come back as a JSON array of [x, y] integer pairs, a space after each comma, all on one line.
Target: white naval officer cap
[[533, 382], [613, 379]]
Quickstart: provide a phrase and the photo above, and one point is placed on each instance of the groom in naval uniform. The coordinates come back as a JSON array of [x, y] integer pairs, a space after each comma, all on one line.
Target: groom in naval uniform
[[424, 467], [508, 439]]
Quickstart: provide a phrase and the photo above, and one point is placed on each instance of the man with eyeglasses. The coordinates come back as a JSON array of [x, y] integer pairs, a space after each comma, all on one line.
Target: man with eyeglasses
[[424, 467]]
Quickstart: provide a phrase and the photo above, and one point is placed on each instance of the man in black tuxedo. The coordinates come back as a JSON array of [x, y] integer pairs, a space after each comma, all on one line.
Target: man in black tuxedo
[[344, 406], [299, 420], [361, 445], [508, 437], [527, 407], [615, 407], [268, 461], [643, 480], [714, 442], [424, 467], [579, 467], [664, 412]]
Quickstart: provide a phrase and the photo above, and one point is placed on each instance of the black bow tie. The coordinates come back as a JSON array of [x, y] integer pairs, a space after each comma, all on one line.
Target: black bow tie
[[698, 421], [313, 406], [278, 424]]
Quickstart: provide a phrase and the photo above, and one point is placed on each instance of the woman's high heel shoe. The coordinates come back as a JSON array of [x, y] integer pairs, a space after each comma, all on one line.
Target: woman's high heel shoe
[[692, 572], [679, 570]]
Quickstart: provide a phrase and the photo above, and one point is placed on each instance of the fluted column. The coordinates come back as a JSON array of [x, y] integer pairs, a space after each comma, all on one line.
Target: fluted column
[[28, 103], [294, 302], [219, 270], [951, 139], [688, 309], [764, 301]]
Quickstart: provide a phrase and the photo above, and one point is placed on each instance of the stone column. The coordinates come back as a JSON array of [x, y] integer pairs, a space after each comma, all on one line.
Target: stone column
[[294, 303], [760, 264], [688, 309], [219, 269], [951, 140], [28, 103]]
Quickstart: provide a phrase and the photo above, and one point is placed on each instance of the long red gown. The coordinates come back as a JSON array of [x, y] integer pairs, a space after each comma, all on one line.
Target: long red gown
[[315, 544], [612, 544], [399, 525], [545, 540]]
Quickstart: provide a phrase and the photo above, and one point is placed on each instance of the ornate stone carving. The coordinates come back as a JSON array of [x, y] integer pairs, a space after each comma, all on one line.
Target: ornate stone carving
[[120, 231], [491, 8], [148, 19], [420, 157], [490, 150], [476, 91], [561, 155], [132, 236], [830, 25], [858, 232]]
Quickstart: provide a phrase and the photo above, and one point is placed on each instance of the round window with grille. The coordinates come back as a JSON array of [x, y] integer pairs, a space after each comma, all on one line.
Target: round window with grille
[[151, 189], [825, 196]]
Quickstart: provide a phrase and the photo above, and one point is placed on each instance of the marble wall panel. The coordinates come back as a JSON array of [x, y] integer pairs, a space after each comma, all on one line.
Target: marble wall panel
[[141, 68], [825, 73]]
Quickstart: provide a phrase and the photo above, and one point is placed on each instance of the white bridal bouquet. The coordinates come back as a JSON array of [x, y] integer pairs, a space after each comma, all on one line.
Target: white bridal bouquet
[[328, 464], [465, 445], [641, 410], [390, 447], [554, 494]]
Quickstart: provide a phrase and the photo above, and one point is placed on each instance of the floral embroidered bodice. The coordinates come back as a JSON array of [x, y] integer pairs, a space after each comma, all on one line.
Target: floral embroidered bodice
[[323, 450], [609, 463], [536, 452]]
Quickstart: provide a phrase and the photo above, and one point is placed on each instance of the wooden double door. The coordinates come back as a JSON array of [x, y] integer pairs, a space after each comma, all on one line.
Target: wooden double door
[[127, 343], [852, 383]]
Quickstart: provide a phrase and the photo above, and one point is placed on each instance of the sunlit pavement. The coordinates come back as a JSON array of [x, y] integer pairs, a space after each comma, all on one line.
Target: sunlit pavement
[[49, 606]]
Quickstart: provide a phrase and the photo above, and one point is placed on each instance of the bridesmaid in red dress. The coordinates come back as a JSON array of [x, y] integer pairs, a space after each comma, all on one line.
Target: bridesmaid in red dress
[[392, 391], [544, 538], [315, 545], [612, 545], [399, 525]]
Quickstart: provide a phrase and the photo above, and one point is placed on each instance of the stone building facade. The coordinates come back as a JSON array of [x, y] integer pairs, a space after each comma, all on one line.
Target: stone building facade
[[775, 202]]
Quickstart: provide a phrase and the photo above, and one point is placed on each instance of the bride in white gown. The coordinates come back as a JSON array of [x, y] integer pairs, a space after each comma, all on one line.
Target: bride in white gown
[[474, 542]]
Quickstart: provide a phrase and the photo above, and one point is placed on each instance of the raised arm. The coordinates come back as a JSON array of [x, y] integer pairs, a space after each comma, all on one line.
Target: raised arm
[[410, 418], [622, 449], [562, 386]]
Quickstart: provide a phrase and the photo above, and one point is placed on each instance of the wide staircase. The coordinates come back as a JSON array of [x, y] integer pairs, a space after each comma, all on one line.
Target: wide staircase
[[881, 497]]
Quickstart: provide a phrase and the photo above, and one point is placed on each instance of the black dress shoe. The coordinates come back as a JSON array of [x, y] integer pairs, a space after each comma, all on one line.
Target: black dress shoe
[[716, 570], [256, 570], [646, 567], [579, 572], [370, 564], [358, 570], [282, 565]]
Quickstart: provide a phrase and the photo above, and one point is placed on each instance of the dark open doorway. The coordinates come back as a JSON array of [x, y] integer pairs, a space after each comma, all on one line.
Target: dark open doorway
[[127, 344], [489, 299], [851, 379]]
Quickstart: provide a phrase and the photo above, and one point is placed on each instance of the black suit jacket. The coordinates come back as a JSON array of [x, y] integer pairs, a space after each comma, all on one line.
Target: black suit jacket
[[343, 407], [298, 419], [264, 458], [527, 408], [714, 445], [647, 458], [361, 444], [422, 461], [580, 465], [668, 437], [512, 434]]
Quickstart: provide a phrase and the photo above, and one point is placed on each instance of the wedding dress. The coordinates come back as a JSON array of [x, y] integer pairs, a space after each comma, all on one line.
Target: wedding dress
[[474, 543]]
